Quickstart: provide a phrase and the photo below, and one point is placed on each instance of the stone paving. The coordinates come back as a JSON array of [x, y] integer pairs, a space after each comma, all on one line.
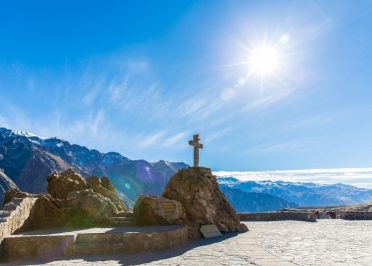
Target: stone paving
[[326, 242]]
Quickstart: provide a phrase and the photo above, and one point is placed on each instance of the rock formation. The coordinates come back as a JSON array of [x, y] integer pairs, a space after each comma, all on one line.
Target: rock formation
[[158, 211], [104, 187], [72, 202], [197, 190], [61, 184]]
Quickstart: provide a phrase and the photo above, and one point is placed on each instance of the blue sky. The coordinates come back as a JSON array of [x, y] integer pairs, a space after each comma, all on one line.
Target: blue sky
[[140, 77]]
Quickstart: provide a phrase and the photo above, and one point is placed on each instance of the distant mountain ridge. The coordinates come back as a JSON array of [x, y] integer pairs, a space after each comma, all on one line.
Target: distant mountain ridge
[[27, 159], [253, 201], [303, 194]]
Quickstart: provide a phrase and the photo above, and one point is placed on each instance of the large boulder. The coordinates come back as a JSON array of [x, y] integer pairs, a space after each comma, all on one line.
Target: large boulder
[[74, 202], [48, 212], [61, 184], [105, 182], [150, 210], [105, 188], [80, 208], [197, 190], [92, 204]]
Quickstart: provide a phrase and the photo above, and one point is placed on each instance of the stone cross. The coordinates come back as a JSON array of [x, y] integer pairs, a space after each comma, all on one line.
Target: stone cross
[[195, 143]]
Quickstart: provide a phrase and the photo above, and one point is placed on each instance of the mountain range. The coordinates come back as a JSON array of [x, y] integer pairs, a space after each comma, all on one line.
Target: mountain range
[[253, 201], [303, 194], [27, 159]]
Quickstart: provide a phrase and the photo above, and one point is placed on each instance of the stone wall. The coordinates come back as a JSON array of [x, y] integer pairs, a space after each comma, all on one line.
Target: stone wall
[[14, 215], [356, 215], [277, 216], [92, 243]]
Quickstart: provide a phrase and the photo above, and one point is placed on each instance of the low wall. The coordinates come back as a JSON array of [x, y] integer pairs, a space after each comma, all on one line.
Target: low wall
[[41, 245], [14, 215], [278, 216], [356, 215]]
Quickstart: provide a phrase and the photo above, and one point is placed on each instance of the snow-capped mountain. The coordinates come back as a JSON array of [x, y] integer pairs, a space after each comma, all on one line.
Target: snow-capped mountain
[[303, 194], [27, 159]]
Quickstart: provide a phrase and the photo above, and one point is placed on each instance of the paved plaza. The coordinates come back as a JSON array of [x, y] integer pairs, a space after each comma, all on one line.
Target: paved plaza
[[326, 242]]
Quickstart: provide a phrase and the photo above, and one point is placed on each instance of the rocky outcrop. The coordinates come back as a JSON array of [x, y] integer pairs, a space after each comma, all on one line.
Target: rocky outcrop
[[61, 184], [104, 187], [92, 204], [158, 211], [197, 190], [73, 202], [106, 183], [48, 212]]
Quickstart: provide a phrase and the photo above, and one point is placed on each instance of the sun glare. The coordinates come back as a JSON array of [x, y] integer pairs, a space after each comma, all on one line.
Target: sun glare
[[264, 60]]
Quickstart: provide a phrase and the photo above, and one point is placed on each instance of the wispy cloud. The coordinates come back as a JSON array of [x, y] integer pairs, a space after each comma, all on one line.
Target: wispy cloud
[[359, 177], [287, 146], [176, 139], [153, 139]]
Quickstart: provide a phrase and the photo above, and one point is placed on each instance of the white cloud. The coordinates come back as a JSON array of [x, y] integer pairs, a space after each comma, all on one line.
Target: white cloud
[[360, 177], [174, 140], [153, 139]]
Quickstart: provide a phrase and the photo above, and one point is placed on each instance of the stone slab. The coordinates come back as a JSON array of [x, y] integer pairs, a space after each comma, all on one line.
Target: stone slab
[[210, 230]]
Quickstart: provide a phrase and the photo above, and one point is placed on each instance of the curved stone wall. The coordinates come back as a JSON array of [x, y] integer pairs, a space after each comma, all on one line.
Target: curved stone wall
[[277, 216], [356, 215]]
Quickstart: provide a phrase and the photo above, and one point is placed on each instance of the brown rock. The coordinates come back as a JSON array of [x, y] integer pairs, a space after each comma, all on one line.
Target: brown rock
[[197, 190], [48, 212], [97, 206], [80, 208], [157, 211], [105, 182], [61, 184], [95, 183]]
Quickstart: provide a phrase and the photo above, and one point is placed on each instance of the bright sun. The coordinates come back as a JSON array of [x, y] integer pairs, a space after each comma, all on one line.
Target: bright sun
[[264, 60]]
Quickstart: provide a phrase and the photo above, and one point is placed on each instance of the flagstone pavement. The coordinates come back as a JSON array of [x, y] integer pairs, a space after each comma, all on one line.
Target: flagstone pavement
[[279, 243]]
